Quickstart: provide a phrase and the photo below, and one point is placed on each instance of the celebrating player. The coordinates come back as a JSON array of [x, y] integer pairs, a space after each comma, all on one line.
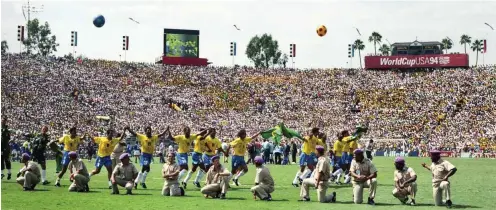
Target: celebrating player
[[184, 141], [198, 149], [39, 147], [105, 147], [148, 143], [238, 160], [307, 157], [71, 144]]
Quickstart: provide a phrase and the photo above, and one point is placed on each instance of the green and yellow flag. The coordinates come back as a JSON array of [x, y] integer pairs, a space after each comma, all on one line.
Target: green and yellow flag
[[276, 133]]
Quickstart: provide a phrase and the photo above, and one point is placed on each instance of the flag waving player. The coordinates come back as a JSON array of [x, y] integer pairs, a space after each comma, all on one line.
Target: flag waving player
[[105, 148], [183, 142], [238, 159], [148, 143], [71, 144], [199, 147], [307, 158]]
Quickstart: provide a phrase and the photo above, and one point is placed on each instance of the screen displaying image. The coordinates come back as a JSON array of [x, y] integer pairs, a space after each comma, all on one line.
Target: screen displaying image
[[181, 45]]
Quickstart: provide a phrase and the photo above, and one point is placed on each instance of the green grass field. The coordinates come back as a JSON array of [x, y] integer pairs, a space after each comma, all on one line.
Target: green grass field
[[472, 187]]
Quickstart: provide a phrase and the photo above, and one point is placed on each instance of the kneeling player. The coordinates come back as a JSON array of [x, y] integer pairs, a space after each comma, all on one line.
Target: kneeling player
[[124, 175]]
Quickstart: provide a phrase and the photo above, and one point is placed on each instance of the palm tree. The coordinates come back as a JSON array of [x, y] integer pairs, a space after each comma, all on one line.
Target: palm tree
[[464, 40], [446, 44], [5, 46], [384, 49], [358, 45], [375, 38], [476, 47]]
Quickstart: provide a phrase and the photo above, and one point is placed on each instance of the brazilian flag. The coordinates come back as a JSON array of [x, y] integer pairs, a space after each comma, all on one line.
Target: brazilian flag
[[276, 133], [289, 133]]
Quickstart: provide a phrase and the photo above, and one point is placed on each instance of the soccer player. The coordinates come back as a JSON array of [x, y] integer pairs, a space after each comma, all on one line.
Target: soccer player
[[105, 148], [404, 182], [196, 157], [217, 181], [338, 160], [29, 176], [184, 142], [39, 146], [6, 149], [239, 166], [369, 148], [170, 172], [71, 144], [124, 175], [148, 143], [307, 157], [364, 175], [320, 180], [264, 183], [79, 174], [441, 171], [58, 154], [90, 149], [213, 146]]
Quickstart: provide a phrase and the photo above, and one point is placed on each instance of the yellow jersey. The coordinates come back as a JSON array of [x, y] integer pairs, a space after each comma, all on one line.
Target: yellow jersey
[[322, 143], [212, 145], [183, 142], [239, 146], [309, 145], [338, 148], [346, 144], [105, 146], [199, 145], [70, 144], [353, 145], [147, 144]]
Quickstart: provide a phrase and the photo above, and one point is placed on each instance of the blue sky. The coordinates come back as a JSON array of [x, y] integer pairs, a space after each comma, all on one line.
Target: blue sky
[[288, 22]]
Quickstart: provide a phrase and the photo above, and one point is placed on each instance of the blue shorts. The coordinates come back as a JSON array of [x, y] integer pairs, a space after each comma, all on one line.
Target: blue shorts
[[237, 161], [103, 161], [196, 158], [344, 158], [182, 159], [145, 159], [65, 158], [338, 161], [207, 159], [349, 158], [306, 160]]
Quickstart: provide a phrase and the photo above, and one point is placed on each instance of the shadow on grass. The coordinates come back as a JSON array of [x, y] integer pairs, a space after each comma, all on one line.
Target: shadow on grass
[[460, 206], [276, 200], [41, 190], [234, 199]]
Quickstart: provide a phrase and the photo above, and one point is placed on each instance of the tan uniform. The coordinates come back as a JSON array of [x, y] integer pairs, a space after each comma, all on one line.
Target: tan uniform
[[215, 185], [81, 175], [365, 168], [265, 183], [118, 150], [31, 177], [171, 186], [123, 176], [409, 189], [323, 167], [439, 187]]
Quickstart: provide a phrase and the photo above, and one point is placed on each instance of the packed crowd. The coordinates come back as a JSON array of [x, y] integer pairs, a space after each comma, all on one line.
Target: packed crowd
[[443, 109]]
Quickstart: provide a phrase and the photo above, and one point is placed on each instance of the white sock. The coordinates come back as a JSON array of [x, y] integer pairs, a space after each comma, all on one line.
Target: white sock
[[338, 177], [347, 179], [143, 178], [8, 171], [305, 174], [240, 174], [338, 172], [295, 180], [43, 175], [57, 180], [110, 183], [312, 174], [188, 176], [138, 179], [199, 176], [181, 174], [230, 176]]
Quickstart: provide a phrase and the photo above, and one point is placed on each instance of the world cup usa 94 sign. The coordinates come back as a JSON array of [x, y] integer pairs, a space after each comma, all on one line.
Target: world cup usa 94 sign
[[416, 61]]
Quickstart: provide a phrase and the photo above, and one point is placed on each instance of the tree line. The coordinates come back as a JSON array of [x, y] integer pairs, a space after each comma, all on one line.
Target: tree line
[[39, 39]]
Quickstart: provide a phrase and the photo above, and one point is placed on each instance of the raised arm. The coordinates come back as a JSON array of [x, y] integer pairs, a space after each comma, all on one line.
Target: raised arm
[[165, 132], [255, 136], [130, 131]]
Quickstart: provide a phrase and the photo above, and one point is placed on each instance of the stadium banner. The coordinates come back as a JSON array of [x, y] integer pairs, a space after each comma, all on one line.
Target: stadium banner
[[416, 61], [446, 153], [379, 153], [465, 155]]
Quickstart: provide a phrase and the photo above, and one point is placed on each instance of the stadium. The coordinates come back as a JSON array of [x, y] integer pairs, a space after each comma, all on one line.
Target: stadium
[[72, 119]]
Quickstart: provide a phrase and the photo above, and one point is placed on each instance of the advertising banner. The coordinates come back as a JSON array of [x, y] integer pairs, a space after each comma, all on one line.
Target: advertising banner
[[416, 61]]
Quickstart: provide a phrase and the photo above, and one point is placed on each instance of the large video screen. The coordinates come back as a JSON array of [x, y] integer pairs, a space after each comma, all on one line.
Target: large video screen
[[181, 43]]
